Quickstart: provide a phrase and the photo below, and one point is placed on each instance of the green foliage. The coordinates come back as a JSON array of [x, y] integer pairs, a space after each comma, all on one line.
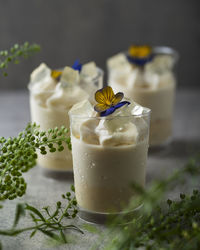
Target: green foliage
[[174, 224], [15, 53], [52, 224], [19, 154]]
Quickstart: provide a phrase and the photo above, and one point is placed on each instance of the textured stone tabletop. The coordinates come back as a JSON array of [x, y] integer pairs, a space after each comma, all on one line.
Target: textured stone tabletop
[[42, 191]]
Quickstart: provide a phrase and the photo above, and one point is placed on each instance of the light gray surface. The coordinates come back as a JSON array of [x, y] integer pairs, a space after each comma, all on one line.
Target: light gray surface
[[42, 191], [95, 30]]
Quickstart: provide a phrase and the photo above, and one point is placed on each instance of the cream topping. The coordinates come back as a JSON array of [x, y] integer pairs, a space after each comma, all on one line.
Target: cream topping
[[151, 76], [119, 128], [89, 70], [69, 77], [58, 95]]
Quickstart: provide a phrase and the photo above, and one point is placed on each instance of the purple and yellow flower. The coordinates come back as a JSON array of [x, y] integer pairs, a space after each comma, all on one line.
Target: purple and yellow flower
[[57, 73], [140, 54], [77, 65], [108, 102]]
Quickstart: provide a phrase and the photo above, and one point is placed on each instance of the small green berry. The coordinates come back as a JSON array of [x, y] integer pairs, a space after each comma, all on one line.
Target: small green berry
[[52, 150], [61, 148], [169, 202], [58, 204], [42, 148], [182, 196], [54, 136], [43, 152], [74, 202], [44, 139], [73, 188]]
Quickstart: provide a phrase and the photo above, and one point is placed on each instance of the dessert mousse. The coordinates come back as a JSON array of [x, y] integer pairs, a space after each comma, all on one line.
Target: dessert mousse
[[146, 75], [52, 94], [109, 149]]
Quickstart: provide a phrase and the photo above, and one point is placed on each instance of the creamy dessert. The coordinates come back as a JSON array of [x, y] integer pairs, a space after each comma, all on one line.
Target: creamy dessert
[[109, 152], [52, 94], [147, 77]]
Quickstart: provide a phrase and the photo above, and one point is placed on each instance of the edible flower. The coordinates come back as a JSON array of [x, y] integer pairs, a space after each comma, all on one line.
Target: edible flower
[[108, 102], [140, 54], [56, 74], [77, 65]]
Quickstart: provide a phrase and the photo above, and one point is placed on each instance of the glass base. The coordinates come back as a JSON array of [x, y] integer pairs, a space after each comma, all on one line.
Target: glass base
[[104, 218], [57, 174]]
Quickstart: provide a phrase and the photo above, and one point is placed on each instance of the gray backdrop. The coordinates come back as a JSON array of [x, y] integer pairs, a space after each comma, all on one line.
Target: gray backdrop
[[97, 29]]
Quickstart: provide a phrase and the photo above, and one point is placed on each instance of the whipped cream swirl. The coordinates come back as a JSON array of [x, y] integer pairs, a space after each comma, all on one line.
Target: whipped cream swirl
[[71, 88], [127, 125]]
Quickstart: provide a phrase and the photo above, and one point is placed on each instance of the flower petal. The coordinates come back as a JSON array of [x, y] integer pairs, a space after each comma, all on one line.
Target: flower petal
[[140, 54], [108, 111], [55, 74], [117, 98], [77, 65], [108, 94], [100, 107], [140, 61], [140, 51], [113, 108], [104, 95], [119, 105], [99, 97]]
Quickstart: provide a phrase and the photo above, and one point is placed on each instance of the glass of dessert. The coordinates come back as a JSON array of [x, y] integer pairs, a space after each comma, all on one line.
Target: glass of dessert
[[146, 75], [52, 94], [109, 148]]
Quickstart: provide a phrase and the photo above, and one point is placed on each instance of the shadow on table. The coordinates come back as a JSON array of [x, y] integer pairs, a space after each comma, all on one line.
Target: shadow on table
[[178, 148], [58, 175]]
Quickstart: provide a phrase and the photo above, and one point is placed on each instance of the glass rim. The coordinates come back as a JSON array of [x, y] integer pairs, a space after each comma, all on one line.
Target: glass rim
[[146, 113], [166, 50], [100, 72]]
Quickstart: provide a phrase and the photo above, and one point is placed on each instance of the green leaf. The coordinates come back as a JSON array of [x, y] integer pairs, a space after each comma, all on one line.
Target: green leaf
[[50, 234], [35, 211], [90, 228], [33, 233], [12, 232], [20, 211], [63, 237], [33, 218], [73, 227], [55, 213]]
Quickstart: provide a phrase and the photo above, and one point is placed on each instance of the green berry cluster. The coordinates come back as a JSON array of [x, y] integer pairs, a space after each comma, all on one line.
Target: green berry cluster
[[175, 227], [19, 154], [72, 204], [174, 224], [14, 53]]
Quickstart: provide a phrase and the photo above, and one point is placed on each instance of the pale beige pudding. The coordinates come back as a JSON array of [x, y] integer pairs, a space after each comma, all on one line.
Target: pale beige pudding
[[151, 86], [109, 153], [51, 99]]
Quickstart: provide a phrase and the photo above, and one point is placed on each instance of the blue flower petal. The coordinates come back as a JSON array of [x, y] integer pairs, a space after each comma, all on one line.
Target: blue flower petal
[[140, 61], [110, 110], [120, 104], [77, 65]]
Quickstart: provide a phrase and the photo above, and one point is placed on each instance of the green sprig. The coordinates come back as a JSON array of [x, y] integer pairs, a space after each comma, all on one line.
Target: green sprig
[[19, 154], [52, 224], [15, 53], [174, 224]]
